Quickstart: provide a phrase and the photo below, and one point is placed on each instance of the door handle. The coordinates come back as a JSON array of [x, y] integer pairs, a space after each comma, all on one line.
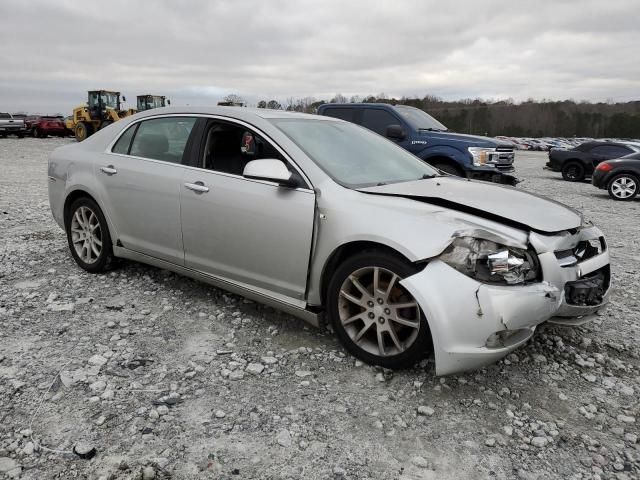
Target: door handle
[[109, 170], [198, 187]]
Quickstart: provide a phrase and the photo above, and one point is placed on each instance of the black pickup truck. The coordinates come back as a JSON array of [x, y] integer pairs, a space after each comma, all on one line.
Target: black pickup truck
[[580, 162]]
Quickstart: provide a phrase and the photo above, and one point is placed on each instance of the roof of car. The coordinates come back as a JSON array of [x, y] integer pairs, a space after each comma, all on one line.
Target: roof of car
[[359, 105], [235, 112], [589, 145]]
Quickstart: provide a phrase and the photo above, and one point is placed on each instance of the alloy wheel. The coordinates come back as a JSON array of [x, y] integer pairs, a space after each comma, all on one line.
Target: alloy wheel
[[86, 234], [623, 187], [573, 172], [379, 315]]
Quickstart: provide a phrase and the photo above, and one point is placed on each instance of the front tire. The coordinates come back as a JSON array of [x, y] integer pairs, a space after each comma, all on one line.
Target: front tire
[[624, 187], [375, 318], [83, 131], [88, 235], [573, 172]]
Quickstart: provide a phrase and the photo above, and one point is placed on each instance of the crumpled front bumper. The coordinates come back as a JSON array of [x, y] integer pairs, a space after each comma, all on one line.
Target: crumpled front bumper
[[474, 324]]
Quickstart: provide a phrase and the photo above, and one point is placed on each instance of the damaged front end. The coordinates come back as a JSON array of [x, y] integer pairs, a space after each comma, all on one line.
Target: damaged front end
[[484, 295], [491, 262]]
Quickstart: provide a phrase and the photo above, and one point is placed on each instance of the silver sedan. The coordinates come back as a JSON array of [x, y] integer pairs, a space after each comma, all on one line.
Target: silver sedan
[[326, 220]]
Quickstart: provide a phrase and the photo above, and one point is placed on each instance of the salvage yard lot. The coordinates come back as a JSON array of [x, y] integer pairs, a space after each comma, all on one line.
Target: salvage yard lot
[[165, 375]]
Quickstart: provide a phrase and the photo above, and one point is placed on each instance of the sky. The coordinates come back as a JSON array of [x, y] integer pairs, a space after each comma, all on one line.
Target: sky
[[197, 51]]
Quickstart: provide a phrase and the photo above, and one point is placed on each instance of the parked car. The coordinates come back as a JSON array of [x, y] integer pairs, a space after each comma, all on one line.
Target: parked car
[[579, 162], [416, 131], [45, 125], [620, 177], [11, 126], [321, 217]]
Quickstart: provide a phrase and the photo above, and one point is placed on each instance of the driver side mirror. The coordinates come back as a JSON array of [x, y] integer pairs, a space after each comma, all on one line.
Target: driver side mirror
[[396, 132], [168, 102], [124, 99], [271, 170]]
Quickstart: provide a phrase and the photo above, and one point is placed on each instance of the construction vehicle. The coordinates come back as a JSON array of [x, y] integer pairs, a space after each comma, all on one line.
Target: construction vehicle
[[147, 102], [101, 110]]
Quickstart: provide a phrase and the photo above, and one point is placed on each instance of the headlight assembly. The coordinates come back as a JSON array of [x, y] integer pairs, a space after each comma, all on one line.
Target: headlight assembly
[[490, 262], [483, 157]]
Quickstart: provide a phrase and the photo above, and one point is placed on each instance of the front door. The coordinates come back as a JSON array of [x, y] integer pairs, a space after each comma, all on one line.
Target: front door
[[250, 232], [140, 186]]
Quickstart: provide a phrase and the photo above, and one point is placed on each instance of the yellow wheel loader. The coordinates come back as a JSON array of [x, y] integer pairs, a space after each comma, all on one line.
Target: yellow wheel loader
[[101, 110], [147, 102]]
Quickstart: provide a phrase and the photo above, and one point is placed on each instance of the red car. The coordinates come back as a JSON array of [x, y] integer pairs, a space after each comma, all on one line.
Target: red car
[[43, 126]]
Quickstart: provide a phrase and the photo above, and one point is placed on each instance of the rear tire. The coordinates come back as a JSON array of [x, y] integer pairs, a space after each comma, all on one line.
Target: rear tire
[[88, 235], [573, 172], [624, 187], [367, 321], [449, 168]]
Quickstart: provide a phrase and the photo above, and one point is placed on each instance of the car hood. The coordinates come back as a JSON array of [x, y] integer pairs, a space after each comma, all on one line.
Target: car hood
[[471, 140], [504, 204]]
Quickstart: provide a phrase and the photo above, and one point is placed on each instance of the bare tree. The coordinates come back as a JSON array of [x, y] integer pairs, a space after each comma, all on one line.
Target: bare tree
[[234, 98], [339, 98]]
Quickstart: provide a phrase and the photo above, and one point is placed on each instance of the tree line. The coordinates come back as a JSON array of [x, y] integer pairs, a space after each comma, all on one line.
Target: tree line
[[531, 118]]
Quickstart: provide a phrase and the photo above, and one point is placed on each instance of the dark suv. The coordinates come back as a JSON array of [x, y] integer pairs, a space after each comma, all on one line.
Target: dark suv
[[579, 162], [413, 129]]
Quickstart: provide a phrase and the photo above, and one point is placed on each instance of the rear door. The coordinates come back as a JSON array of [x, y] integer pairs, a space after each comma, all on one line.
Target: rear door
[[140, 185], [250, 232]]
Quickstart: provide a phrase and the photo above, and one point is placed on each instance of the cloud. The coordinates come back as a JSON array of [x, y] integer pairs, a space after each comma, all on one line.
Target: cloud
[[196, 51]]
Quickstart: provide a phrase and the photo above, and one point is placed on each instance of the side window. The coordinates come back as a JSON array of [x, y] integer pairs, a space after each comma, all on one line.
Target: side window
[[378, 120], [228, 148], [124, 142], [612, 151], [347, 114], [162, 138], [618, 151]]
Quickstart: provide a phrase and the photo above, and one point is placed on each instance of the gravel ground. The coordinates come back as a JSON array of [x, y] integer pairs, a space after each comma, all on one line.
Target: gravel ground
[[164, 377]]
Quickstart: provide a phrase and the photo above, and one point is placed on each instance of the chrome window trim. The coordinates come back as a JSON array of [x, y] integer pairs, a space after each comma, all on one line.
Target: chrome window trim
[[308, 188]]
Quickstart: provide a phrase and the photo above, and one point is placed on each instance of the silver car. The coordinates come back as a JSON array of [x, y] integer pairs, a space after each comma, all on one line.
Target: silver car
[[324, 219]]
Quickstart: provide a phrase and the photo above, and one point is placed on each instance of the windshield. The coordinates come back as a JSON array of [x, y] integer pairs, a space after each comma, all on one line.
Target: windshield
[[146, 103], [419, 119], [110, 100], [353, 156]]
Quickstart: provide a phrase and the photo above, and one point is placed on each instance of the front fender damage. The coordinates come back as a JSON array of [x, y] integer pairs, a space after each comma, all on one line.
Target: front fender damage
[[474, 324]]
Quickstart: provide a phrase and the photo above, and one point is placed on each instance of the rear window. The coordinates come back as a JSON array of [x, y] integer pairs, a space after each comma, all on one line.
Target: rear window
[[123, 143]]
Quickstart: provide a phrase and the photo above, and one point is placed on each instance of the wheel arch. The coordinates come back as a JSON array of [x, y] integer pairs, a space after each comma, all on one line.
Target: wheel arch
[[573, 160], [440, 158], [625, 171], [346, 250], [72, 196]]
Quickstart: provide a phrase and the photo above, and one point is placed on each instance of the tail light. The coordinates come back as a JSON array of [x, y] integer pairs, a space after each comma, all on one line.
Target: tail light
[[604, 167]]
